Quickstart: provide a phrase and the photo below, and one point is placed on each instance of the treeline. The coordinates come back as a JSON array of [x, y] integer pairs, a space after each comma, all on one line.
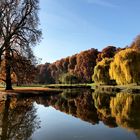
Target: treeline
[[112, 65], [73, 69], [77, 68], [123, 68]]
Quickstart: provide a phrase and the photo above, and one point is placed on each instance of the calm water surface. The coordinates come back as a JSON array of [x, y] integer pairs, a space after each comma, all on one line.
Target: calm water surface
[[72, 115]]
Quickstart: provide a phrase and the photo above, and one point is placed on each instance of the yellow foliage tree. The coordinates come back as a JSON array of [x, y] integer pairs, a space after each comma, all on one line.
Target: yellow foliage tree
[[125, 108], [101, 72], [125, 68]]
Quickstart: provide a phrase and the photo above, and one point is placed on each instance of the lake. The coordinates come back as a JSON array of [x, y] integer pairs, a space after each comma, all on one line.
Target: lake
[[71, 115]]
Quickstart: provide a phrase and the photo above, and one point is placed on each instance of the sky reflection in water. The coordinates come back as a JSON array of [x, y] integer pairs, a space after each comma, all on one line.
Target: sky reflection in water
[[72, 115]]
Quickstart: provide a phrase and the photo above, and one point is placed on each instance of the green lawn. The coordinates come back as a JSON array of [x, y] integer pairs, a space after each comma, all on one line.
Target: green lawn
[[48, 87], [68, 85]]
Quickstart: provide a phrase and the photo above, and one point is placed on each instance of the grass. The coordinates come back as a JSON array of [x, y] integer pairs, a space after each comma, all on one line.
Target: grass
[[130, 88], [30, 91], [68, 85], [55, 88]]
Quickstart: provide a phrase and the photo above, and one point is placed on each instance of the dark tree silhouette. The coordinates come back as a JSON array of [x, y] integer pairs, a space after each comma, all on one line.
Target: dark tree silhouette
[[18, 31], [18, 118]]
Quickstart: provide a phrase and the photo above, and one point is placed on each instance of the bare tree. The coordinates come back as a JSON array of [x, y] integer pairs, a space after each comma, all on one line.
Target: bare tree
[[18, 31]]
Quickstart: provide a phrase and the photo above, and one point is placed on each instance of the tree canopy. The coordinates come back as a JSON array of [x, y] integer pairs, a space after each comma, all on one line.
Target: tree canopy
[[125, 68], [101, 72], [80, 65], [18, 31]]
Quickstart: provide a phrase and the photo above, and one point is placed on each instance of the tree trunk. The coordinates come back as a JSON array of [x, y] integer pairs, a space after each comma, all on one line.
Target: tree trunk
[[8, 70], [5, 119]]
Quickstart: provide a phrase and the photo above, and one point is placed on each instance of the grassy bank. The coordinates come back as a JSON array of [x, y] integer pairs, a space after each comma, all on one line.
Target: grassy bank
[[30, 91], [68, 86], [107, 88], [131, 88], [57, 88]]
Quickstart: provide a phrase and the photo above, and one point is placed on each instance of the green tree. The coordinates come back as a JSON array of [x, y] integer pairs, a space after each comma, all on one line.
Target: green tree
[[68, 78], [19, 31]]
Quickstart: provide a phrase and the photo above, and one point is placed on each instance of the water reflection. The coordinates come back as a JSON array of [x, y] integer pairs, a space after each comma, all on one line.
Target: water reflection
[[102, 104], [19, 120], [125, 108], [121, 109]]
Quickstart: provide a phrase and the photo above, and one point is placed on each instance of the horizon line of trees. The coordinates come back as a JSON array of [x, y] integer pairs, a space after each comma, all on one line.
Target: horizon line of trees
[[77, 68], [112, 65]]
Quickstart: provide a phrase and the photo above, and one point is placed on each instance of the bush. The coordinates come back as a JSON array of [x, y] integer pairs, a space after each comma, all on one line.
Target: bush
[[68, 78]]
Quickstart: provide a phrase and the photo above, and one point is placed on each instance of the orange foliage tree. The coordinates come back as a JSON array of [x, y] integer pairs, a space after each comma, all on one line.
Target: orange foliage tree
[[107, 52], [86, 62]]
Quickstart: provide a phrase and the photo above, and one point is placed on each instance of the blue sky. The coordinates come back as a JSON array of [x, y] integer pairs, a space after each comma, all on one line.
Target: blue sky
[[71, 26]]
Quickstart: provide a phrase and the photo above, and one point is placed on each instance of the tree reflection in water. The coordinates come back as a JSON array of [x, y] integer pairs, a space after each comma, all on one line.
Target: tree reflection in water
[[125, 108], [102, 104], [18, 119], [120, 109], [76, 103]]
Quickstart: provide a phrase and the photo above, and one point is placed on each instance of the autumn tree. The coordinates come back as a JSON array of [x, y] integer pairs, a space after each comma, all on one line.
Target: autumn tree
[[136, 43], [19, 31], [65, 64], [125, 68], [24, 69], [68, 78], [107, 52], [54, 72], [80, 65], [72, 63], [43, 75], [3, 74], [101, 72], [86, 61]]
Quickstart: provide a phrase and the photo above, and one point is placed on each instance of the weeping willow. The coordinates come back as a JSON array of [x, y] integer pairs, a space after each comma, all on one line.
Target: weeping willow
[[101, 72], [125, 68], [125, 108], [102, 103]]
